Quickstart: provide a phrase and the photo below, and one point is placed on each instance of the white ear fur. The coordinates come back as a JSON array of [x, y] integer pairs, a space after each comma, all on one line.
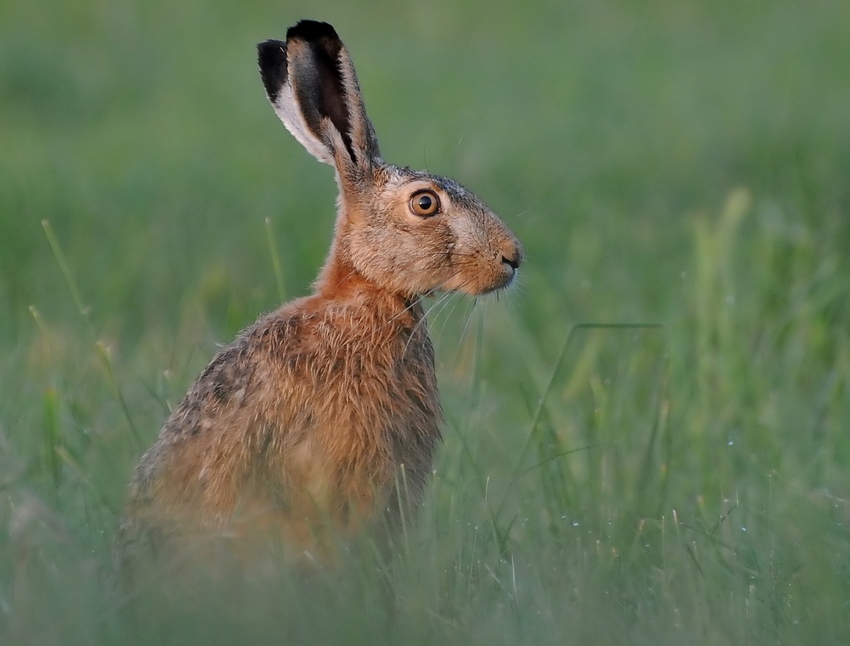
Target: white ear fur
[[288, 111]]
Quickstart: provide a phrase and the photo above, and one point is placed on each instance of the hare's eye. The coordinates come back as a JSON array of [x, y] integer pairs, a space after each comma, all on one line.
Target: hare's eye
[[425, 203]]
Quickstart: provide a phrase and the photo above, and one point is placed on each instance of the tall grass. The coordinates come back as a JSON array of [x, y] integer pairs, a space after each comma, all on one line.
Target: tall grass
[[646, 442]]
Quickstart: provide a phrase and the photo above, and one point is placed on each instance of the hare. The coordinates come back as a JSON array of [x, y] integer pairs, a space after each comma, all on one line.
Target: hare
[[323, 416]]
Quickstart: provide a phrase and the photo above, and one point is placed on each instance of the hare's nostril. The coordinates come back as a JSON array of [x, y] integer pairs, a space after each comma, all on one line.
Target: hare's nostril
[[513, 260]]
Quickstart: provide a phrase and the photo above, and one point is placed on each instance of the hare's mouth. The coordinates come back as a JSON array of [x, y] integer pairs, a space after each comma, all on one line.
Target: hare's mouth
[[503, 282]]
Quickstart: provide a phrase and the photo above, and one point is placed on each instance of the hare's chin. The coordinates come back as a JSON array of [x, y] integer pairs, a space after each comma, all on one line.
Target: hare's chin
[[502, 282]]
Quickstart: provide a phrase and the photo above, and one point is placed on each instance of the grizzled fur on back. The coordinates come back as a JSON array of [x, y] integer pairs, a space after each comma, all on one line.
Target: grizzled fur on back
[[322, 418]]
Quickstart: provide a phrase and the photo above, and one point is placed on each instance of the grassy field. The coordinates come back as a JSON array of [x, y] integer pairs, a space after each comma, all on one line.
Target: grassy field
[[647, 442]]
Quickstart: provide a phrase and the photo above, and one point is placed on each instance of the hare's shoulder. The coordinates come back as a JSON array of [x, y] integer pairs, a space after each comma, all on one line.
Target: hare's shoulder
[[239, 373]]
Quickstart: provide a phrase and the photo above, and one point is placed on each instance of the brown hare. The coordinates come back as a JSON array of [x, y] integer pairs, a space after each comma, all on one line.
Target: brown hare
[[323, 416]]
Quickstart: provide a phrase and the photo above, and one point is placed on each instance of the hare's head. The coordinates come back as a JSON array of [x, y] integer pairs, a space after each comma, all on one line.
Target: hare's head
[[406, 231]]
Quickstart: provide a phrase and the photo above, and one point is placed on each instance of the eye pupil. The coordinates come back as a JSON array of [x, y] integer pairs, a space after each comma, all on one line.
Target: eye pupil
[[425, 204]]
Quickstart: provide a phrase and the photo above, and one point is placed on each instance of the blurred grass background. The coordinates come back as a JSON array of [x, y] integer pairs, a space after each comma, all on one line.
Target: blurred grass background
[[674, 163]]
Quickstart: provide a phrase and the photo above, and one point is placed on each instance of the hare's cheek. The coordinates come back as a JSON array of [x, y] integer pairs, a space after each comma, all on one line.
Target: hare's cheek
[[464, 278]]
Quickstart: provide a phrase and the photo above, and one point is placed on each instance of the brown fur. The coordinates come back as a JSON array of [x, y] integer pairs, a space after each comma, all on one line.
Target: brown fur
[[324, 415]]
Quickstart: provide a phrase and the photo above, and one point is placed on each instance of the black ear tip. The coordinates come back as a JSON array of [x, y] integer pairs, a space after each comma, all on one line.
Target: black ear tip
[[271, 56], [311, 30]]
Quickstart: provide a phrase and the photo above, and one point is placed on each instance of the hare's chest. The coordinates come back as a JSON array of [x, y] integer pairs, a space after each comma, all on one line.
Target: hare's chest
[[370, 406], [372, 394]]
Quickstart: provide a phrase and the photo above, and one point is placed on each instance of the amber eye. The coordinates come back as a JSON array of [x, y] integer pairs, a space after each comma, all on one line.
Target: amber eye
[[425, 203]]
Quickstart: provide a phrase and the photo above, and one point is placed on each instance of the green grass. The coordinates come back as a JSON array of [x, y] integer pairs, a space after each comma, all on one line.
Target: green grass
[[677, 164]]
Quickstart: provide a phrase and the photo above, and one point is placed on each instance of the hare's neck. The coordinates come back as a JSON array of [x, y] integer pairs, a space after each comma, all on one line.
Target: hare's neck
[[339, 280]]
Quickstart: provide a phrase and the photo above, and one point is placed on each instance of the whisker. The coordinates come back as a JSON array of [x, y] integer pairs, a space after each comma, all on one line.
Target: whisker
[[453, 300], [423, 321], [469, 315]]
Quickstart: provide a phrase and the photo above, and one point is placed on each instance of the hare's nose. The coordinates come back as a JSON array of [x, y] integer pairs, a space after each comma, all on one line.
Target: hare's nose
[[512, 255], [512, 262]]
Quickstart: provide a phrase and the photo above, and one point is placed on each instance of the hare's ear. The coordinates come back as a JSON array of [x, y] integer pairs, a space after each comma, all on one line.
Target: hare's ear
[[312, 86]]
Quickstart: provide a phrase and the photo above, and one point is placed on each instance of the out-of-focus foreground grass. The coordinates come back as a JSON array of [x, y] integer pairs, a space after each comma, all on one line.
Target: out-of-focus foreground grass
[[677, 164]]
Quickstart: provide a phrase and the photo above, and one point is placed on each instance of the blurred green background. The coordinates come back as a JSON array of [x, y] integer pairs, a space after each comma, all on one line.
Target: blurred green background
[[680, 164]]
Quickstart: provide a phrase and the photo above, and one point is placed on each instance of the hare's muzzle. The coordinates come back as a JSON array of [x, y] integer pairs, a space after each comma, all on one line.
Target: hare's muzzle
[[511, 259], [510, 255]]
